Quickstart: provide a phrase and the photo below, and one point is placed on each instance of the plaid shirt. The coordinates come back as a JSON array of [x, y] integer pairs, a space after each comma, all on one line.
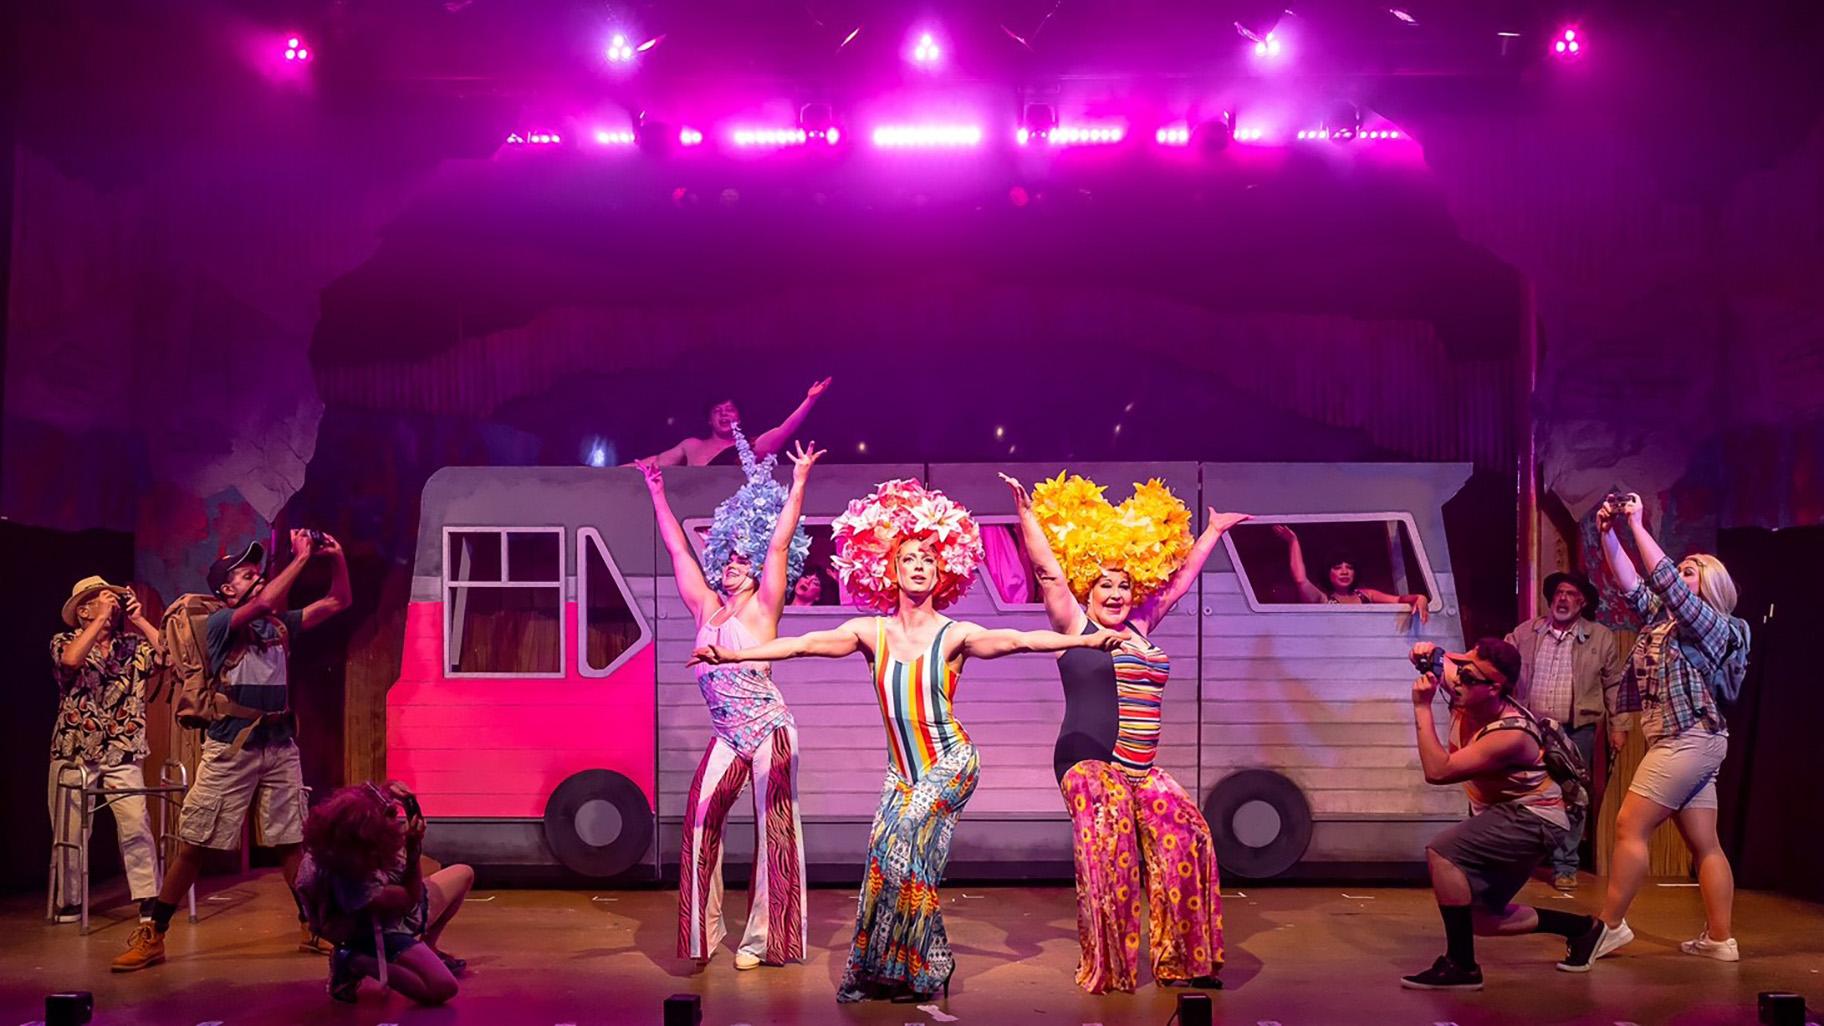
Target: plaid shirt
[[1685, 642]]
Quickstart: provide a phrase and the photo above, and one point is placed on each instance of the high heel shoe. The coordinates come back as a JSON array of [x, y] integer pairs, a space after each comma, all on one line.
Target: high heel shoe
[[919, 997], [1198, 983]]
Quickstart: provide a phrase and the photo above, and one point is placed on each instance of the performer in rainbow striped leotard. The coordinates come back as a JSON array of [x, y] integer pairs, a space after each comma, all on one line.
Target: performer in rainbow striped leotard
[[910, 552], [1132, 825]]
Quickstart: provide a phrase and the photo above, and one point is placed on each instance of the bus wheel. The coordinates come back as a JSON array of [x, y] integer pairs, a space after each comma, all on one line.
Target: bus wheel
[[1261, 824], [598, 823]]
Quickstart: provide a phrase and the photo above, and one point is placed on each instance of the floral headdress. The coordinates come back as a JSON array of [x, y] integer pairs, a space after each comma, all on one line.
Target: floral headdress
[[1148, 536], [897, 512], [744, 521]]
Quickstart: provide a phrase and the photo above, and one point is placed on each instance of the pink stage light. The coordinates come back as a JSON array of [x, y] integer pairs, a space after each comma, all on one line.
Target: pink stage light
[[768, 138], [1075, 135], [1567, 44], [689, 137], [1249, 134], [1268, 47], [926, 52], [295, 50], [927, 136], [1173, 135], [624, 137], [534, 139], [619, 50]]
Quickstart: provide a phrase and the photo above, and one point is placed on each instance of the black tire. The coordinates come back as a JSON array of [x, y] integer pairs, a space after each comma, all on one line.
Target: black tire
[[594, 856], [1236, 858]]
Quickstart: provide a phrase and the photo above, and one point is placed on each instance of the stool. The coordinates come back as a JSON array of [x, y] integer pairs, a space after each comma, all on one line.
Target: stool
[[174, 781]]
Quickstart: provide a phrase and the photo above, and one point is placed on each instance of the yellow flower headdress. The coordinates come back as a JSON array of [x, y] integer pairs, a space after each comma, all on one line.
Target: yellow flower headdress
[[1148, 535]]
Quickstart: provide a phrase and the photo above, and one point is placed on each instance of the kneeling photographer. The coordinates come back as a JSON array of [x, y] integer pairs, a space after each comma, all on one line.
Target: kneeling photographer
[[368, 888], [1498, 752]]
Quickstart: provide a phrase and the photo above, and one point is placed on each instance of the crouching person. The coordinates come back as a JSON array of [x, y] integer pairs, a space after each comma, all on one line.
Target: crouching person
[[1519, 812], [364, 886]]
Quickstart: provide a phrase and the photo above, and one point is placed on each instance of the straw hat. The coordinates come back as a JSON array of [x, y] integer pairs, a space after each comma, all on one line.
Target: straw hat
[[85, 588]]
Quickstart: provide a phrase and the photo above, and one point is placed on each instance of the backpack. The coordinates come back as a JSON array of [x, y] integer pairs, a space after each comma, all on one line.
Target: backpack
[[197, 696], [1563, 761]]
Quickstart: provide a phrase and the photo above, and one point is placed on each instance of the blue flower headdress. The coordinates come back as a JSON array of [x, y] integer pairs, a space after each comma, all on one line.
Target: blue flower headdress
[[744, 521]]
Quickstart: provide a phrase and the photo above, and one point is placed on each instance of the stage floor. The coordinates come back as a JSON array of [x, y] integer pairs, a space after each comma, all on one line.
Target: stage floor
[[1296, 955]]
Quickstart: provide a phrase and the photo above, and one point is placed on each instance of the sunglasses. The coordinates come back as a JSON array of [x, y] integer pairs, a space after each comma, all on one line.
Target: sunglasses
[[1468, 674]]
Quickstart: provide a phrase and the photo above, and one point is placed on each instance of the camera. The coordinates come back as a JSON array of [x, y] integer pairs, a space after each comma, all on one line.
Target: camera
[[410, 802], [315, 536], [1431, 662]]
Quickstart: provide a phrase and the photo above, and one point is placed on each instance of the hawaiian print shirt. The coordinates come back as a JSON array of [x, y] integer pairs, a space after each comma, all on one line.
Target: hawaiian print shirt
[[101, 711]]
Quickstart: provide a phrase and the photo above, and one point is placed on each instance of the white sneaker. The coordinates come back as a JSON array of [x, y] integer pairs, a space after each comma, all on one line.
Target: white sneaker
[[745, 961], [1612, 939], [1722, 951]]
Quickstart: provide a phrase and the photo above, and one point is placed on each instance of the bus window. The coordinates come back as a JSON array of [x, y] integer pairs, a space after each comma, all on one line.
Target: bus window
[[1342, 555], [611, 626], [503, 602]]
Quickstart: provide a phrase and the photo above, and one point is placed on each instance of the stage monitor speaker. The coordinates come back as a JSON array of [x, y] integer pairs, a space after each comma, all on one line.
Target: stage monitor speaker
[[1194, 1010], [73, 1008], [1780, 1008], [684, 1010]]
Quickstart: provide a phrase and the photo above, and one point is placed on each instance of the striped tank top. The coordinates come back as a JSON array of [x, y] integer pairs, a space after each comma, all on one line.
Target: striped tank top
[[1530, 787], [915, 705], [1141, 670]]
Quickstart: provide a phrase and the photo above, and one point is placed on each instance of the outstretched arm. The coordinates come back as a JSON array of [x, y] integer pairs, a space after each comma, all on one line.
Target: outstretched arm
[[977, 642], [772, 441], [672, 457], [773, 590], [1060, 605], [1307, 592], [1620, 563], [844, 640], [1419, 604], [1214, 527], [270, 599], [340, 596], [696, 592]]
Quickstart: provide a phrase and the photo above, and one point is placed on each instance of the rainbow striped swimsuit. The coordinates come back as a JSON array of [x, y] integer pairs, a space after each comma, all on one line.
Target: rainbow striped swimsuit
[[915, 705], [1141, 670]]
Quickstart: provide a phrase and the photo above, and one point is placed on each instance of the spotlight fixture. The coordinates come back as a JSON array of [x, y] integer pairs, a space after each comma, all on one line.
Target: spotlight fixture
[[1567, 45], [818, 123], [619, 50], [1268, 46], [927, 136], [295, 50], [925, 51], [1343, 123], [1173, 135], [1037, 121]]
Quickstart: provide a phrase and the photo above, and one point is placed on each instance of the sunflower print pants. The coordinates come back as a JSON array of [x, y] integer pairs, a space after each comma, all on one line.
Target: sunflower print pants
[[1129, 832], [899, 926]]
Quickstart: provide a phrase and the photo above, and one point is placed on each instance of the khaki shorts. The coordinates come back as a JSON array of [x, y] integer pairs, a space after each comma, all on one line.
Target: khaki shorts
[[1679, 772], [270, 778]]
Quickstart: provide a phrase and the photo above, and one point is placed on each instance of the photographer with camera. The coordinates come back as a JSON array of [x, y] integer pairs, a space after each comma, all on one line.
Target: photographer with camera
[[1519, 817], [364, 884], [101, 674], [249, 757], [1570, 671], [1690, 651]]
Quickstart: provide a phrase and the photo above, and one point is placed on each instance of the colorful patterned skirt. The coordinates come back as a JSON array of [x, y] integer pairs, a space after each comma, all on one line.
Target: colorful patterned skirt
[[1129, 832], [899, 926]]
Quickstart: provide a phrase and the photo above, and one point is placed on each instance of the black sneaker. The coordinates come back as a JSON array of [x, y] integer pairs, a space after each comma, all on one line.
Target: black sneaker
[[67, 914], [1581, 950], [1445, 975]]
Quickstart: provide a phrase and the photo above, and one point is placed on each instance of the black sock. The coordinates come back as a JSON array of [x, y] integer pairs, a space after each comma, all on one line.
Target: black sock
[[1564, 924], [162, 911], [1459, 934]]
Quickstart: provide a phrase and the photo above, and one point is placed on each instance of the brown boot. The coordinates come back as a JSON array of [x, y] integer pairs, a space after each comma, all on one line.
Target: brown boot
[[146, 947], [310, 943]]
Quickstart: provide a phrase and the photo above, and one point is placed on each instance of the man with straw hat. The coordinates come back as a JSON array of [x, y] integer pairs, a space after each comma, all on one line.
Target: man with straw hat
[[101, 674]]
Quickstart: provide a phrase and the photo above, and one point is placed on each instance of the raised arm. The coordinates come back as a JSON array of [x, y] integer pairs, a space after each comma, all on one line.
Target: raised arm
[[1699, 622], [772, 441], [1215, 525], [1307, 592], [831, 644], [340, 596], [977, 642], [773, 591], [1060, 605], [1620, 563], [270, 599], [696, 592]]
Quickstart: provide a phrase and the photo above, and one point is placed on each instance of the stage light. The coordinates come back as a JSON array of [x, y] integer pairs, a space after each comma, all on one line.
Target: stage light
[[1037, 120], [619, 50], [927, 136], [622, 137], [534, 139], [818, 122], [1173, 135], [1268, 46], [1343, 123], [767, 138], [1403, 14], [1567, 45], [926, 53], [295, 50], [1249, 134], [689, 137]]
